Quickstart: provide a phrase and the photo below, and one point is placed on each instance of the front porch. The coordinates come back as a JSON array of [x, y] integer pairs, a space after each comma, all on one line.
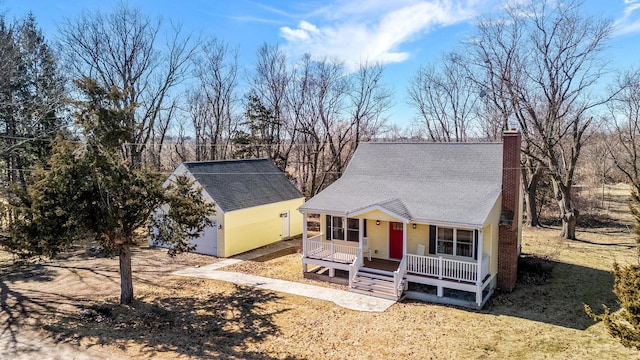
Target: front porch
[[364, 270]]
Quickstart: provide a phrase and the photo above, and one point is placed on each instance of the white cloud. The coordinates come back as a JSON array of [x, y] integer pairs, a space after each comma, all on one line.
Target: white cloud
[[355, 31], [630, 20]]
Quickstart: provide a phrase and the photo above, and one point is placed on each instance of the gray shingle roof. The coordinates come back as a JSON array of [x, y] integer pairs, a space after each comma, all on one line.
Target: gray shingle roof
[[450, 183], [239, 184]]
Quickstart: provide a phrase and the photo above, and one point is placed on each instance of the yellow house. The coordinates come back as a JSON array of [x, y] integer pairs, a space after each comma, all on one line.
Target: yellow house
[[432, 221], [255, 204]]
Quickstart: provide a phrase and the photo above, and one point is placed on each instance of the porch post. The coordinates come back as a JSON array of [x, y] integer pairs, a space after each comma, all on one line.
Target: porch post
[[404, 239], [304, 234], [361, 240], [304, 241], [480, 256], [360, 232]]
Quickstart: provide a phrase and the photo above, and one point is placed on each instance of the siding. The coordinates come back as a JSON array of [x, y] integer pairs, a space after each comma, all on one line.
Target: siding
[[251, 228]]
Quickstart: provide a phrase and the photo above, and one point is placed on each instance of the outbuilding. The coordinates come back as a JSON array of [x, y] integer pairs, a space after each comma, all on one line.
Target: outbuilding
[[255, 204]]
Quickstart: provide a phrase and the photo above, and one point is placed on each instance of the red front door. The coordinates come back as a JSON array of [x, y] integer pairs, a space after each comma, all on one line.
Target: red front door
[[395, 240]]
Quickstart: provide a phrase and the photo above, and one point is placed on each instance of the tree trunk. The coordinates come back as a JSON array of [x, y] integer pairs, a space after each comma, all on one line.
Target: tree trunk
[[126, 280], [530, 189], [568, 214], [531, 174], [569, 221]]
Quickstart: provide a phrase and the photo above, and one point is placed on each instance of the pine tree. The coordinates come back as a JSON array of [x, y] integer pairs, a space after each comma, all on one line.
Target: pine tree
[[31, 99], [88, 189], [625, 323]]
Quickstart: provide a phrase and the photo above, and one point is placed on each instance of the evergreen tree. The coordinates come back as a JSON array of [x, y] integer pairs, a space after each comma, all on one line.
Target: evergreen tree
[[90, 190], [625, 323], [31, 99]]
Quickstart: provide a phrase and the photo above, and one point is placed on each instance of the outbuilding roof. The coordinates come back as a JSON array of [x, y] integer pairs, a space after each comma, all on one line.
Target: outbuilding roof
[[437, 183], [240, 184]]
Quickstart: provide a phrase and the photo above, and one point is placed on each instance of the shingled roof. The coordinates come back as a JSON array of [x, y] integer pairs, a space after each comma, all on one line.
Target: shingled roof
[[239, 184], [441, 183]]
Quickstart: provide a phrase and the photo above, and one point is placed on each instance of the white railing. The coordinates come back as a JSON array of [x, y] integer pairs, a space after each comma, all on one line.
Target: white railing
[[314, 247], [354, 267], [398, 276], [484, 270], [443, 268]]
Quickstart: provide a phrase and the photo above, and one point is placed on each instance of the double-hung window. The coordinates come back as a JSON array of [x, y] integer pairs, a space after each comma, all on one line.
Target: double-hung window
[[336, 227], [456, 242], [340, 228]]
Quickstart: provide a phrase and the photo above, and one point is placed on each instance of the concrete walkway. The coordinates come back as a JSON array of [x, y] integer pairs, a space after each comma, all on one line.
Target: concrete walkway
[[342, 298]]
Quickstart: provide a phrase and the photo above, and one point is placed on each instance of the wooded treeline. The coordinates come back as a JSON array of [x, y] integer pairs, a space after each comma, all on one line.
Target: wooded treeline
[[539, 67]]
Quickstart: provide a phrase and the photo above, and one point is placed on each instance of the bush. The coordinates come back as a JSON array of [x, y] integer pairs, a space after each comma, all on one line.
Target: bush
[[625, 323]]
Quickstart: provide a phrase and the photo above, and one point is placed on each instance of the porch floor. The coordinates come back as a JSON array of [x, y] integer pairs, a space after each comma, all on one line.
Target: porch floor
[[382, 264]]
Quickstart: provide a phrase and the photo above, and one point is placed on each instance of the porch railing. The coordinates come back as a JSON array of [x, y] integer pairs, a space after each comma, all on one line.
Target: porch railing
[[354, 267], [398, 277], [444, 268], [314, 247]]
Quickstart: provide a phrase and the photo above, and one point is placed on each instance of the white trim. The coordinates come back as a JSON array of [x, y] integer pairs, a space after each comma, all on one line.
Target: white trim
[[448, 224], [455, 242], [379, 208], [322, 212]]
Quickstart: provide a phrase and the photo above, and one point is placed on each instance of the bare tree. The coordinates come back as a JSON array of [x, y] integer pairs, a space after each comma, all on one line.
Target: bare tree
[[540, 61], [445, 100], [269, 85], [625, 127], [370, 98], [121, 49], [212, 105]]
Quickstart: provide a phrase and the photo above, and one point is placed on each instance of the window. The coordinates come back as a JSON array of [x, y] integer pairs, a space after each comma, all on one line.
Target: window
[[456, 242], [353, 229], [338, 226]]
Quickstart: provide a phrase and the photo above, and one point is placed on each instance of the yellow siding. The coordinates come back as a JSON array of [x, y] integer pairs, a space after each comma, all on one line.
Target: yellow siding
[[419, 235], [378, 236], [378, 215], [251, 228], [490, 236]]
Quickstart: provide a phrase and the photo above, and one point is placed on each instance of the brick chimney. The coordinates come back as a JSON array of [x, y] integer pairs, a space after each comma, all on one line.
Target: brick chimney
[[509, 224]]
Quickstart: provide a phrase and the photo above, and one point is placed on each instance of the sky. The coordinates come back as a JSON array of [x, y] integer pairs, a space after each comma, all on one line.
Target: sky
[[402, 34]]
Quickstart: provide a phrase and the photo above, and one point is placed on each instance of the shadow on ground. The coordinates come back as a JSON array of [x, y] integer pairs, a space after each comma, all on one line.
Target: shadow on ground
[[222, 326], [555, 293]]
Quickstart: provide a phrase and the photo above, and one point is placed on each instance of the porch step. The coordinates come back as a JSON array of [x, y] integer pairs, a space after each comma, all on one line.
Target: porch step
[[382, 295], [374, 282], [376, 271], [386, 277]]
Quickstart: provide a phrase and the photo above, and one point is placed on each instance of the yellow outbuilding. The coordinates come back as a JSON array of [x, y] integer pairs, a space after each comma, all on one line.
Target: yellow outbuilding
[[255, 204]]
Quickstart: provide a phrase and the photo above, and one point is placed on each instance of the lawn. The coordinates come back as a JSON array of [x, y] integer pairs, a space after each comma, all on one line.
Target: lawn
[[71, 303]]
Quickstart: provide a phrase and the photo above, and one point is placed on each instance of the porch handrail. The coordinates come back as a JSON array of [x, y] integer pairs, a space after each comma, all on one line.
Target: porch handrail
[[354, 267], [316, 247], [398, 276], [444, 268]]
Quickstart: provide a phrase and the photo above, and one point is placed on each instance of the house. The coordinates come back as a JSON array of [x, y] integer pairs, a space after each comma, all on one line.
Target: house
[[254, 201], [438, 222]]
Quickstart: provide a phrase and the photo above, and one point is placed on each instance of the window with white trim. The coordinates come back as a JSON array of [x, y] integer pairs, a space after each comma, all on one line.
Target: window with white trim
[[456, 242], [353, 229], [338, 227]]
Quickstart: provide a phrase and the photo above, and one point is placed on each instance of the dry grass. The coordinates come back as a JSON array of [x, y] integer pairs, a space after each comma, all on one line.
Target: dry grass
[[176, 317]]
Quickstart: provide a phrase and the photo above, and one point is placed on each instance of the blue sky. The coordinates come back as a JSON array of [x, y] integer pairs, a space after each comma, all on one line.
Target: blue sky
[[403, 34]]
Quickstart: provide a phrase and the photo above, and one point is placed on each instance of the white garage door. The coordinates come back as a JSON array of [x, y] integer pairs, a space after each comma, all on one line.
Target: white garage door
[[207, 243]]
